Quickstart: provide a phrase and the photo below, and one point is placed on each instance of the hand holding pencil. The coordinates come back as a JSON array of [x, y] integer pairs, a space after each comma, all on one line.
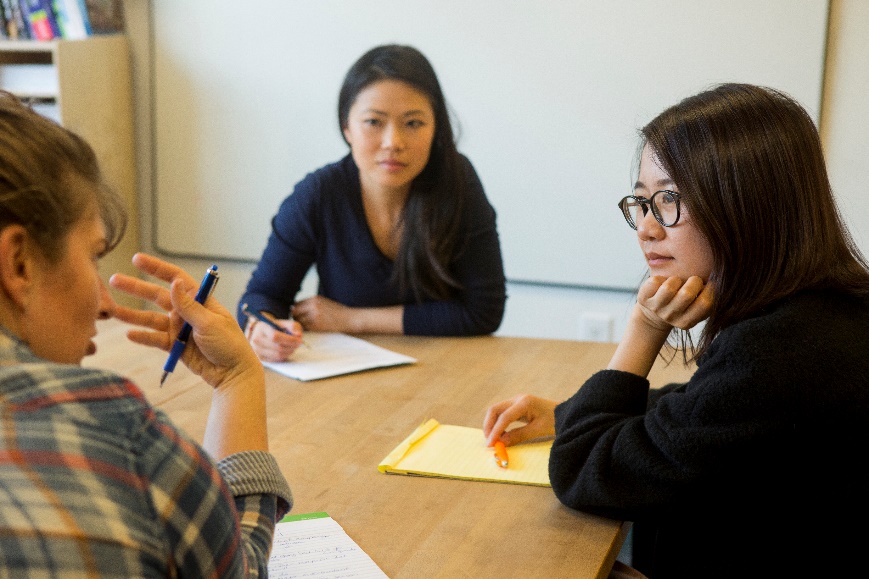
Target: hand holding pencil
[[273, 340], [536, 417]]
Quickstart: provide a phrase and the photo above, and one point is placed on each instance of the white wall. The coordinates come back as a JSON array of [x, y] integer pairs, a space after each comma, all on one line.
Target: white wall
[[547, 103], [557, 312], [845, 113]]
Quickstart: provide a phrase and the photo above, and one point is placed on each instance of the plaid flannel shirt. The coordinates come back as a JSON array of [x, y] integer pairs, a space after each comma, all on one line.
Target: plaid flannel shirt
[[96, 482]]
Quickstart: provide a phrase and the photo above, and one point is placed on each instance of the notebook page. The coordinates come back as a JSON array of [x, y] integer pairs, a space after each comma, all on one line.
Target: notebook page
[[333, 354], [315, 545], [460, 452]]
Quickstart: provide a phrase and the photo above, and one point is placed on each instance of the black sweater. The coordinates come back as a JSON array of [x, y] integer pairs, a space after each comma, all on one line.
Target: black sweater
[[756, 467]]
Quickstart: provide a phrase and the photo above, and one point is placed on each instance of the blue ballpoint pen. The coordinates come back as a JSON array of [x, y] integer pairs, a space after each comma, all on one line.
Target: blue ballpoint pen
[[205, 289], [258, 315]]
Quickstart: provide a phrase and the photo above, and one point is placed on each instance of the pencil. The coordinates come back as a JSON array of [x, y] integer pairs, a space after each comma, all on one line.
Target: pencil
[[501, 458]]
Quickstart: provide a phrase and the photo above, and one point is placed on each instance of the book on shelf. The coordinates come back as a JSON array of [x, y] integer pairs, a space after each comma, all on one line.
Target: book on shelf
[[22, 29], [14, 25], [9, 28], [67, 19], [39, 15], [72, 18]]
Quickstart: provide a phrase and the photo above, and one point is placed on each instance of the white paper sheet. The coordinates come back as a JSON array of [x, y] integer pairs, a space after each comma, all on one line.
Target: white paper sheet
[[316, 545], [332, 354]]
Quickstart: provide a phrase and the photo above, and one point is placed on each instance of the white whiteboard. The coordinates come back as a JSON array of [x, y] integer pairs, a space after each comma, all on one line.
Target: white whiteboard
[[548, 96]]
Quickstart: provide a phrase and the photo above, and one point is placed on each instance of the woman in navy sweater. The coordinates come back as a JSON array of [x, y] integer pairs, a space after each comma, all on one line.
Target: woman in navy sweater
[[757, 465], [402, 235]]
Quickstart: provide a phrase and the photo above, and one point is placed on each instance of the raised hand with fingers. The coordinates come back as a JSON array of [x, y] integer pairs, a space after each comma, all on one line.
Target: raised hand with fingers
[[217, 351]]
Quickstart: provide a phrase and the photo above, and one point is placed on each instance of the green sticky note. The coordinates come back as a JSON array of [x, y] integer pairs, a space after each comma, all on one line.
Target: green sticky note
[[304, 517]]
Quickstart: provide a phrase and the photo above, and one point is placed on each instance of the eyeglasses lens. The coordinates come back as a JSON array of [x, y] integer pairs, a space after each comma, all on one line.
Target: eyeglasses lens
[[666, 206]]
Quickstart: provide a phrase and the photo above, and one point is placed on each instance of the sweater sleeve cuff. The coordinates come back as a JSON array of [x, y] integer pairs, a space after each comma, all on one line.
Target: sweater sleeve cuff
[[607, 391], [255, 472]]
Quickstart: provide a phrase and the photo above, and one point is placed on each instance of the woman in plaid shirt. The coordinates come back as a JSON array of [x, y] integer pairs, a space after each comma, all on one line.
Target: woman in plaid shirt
[[93, 480]]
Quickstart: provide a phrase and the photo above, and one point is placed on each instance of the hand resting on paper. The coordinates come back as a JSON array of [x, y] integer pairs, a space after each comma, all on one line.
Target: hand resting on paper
[[537, 413]]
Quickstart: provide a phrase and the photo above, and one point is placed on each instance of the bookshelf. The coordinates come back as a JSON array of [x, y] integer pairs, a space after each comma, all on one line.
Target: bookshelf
[[85, 85]]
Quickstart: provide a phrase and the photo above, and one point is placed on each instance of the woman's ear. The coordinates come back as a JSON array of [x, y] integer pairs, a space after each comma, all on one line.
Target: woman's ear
[[16, 264]]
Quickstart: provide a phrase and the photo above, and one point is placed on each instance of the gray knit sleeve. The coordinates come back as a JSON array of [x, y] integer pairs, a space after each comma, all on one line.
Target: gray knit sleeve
[[255, 472]]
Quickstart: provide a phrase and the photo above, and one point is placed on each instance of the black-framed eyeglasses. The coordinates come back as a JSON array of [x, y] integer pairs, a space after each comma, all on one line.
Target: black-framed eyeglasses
[[664, 204]]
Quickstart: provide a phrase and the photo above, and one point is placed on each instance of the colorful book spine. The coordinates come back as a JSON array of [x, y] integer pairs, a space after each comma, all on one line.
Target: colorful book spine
[[72, 19], [4, 29], [40, 18], [16, 27]]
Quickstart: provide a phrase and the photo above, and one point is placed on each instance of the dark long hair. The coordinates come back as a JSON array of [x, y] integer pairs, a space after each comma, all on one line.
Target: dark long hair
[[749, 165], [38, 161], [433, 210]]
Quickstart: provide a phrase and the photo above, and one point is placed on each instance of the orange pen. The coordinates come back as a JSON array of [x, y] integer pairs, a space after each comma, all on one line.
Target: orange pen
[[501, 454]]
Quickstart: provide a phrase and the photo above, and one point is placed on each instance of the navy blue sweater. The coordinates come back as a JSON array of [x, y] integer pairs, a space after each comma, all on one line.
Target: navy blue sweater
[[756, 467], [323, 223]]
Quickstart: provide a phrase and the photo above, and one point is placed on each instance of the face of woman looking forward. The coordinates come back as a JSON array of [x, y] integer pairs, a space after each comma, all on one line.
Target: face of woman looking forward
[[390, 129], [679, 250]]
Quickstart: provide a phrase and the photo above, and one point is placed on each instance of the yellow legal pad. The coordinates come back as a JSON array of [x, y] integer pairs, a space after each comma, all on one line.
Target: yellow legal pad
[[460, 452]]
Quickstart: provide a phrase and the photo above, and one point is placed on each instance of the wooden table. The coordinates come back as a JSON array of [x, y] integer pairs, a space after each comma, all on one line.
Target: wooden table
[[330, 435]]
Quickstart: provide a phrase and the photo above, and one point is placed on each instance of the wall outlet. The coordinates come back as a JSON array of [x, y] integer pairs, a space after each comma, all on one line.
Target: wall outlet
[[595, 327]]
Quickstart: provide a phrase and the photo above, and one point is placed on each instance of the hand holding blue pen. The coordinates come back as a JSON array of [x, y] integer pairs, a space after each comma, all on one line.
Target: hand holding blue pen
[[205, 289], [258, 315]]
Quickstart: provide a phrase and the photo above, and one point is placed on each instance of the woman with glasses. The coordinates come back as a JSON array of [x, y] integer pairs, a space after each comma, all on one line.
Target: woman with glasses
[[756, 465]]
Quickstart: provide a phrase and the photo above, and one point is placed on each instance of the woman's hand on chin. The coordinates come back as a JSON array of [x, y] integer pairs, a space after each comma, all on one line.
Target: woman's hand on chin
[[673, 303]]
